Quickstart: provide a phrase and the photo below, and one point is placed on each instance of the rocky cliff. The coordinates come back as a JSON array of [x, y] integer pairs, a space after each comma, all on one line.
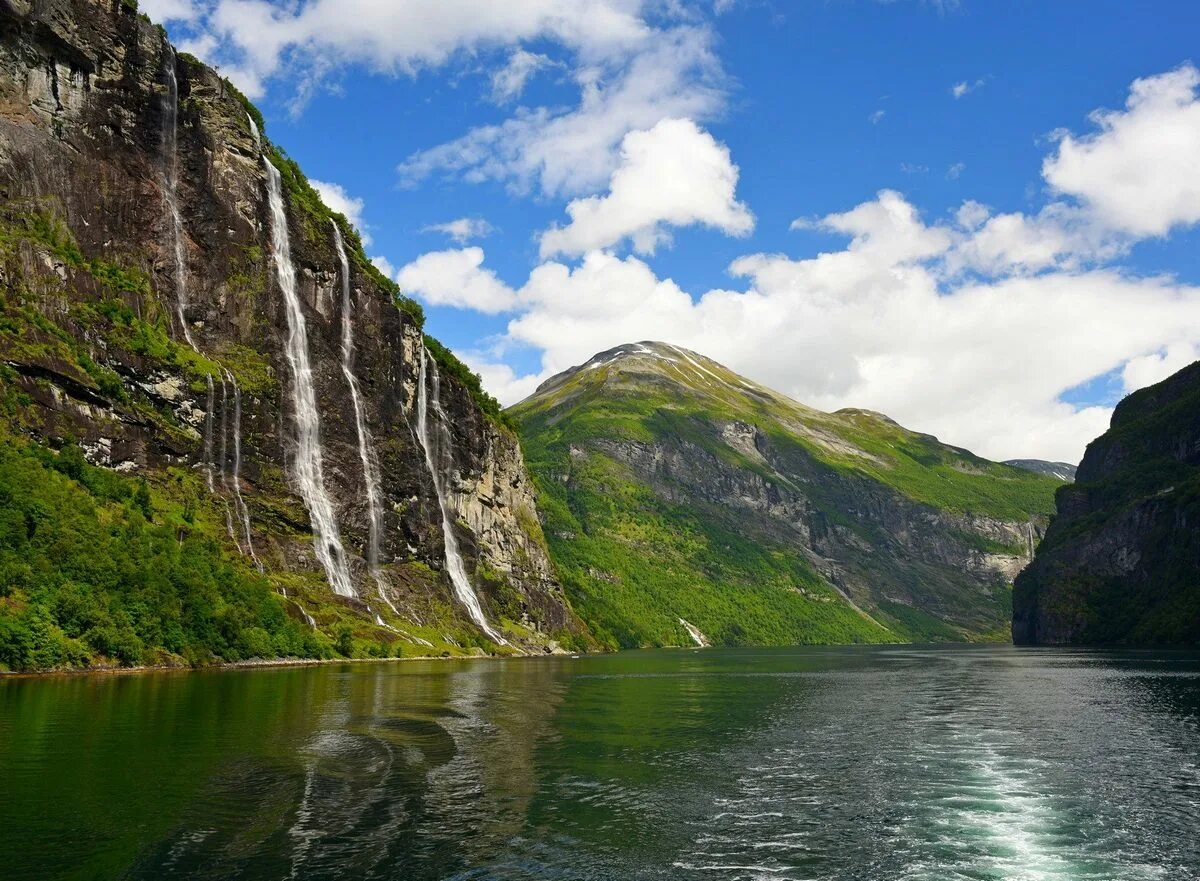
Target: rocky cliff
[[1121, 559], [679, 496], [151, 319]]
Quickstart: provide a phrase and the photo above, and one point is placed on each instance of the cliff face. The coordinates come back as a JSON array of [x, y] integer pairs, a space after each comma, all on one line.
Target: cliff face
[[677, 492], [1121, 559], [145, 319]]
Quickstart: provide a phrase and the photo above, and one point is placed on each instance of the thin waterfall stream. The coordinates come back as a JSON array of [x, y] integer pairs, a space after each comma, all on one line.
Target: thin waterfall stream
[[233, 536], [309, 467], [210, 403], [366, 445], [463, 590], [236, 477], [170, 139]]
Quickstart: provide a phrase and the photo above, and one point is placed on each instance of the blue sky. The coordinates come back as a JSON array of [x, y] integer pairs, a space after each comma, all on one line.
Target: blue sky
[[691, 137]]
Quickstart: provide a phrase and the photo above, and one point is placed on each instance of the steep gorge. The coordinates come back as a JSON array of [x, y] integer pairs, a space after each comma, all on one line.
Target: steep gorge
[[180, 306]]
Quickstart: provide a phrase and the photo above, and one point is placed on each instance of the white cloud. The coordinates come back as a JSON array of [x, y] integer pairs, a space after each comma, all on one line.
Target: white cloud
[[1157, 366], [877, 117], [500, 379], [462, 230], [456, 278], [973, 328], [879, 324], [574, 151], [634, 63], [674, 174], [965, 87], [384, 265], [1059, 236], [509, 81], [337, 199], [163, 11], [954, 172], [404, 36], [1139, 173]]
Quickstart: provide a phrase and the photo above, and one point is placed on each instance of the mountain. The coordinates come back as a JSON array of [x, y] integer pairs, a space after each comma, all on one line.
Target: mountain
[[1064, 471], [224, 433], [1121, 559], [683, 503]]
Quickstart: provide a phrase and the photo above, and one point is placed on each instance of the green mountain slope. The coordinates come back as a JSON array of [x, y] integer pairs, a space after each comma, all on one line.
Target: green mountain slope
[[1121, 560], [676, 492]]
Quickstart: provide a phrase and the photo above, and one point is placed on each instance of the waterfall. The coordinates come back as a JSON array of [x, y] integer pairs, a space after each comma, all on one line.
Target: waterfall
[[170, 141], [433, 455], [694, 632], [255, 132], [236, 479], [366, 446], [225, 461], [208, 433], [310, 472]]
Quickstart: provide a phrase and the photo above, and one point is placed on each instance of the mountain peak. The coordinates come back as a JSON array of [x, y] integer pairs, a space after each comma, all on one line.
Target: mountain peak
[[658, 360]]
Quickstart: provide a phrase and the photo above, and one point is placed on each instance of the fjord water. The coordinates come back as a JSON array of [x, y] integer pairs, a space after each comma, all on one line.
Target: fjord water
[[882, 763]]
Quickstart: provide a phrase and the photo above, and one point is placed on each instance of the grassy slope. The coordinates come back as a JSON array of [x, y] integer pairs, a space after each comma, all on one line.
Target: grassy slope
[[634, 563]]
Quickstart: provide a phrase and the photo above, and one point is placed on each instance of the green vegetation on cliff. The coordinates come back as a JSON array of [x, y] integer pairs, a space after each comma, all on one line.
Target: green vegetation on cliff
[[1121, 560], [673, 488], [98, 567]]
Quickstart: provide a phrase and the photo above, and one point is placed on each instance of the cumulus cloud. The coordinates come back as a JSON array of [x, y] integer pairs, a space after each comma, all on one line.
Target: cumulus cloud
[[878, 324], [336, 197], [568, 152], [1157, 366], [973, 328], [163, 11], [634, 62], [462, 230], [1139, 172], [405, 36], [674, 174], [456, 278]]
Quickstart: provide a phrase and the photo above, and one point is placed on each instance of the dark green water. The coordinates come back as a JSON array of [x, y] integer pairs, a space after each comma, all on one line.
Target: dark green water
[[896, 763]]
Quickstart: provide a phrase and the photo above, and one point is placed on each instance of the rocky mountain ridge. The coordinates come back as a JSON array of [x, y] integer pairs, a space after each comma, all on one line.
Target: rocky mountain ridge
[[148, 319], [1121, 559], [1064, 471], [792, 524]]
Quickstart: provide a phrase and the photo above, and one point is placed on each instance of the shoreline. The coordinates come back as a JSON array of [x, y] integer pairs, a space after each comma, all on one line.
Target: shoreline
[[259, 663]]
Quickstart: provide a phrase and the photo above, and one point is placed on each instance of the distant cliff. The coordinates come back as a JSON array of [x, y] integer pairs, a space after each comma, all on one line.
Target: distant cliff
[[1121, 560], [685, 504], [180, 307]]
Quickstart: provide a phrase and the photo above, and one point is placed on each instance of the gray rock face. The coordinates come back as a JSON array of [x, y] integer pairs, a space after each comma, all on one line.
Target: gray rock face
[[1121, 559], [867, 540], [83, 102]]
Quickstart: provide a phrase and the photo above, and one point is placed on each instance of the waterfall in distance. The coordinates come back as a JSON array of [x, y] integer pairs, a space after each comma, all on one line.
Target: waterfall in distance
[[309, 468], [236, 480], [170, 138], [233, 536], [455, 567], [366, 445], [208, 433]]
